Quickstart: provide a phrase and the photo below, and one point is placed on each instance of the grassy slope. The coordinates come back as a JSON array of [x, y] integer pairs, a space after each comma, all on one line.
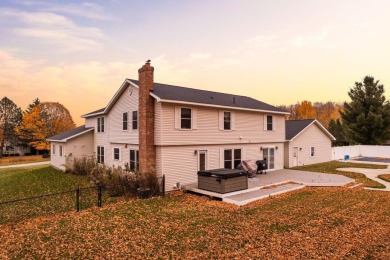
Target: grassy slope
[[314, 223], [330, 167], [11, 160], [385, 177]]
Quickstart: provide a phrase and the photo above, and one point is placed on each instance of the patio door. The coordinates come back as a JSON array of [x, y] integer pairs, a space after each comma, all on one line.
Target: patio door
[[269, 154], [202, 160], [295, 156]]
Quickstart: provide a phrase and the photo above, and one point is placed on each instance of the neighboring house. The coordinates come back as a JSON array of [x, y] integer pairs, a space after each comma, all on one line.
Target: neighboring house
[[307, 142], [11, 150], [175, 131]]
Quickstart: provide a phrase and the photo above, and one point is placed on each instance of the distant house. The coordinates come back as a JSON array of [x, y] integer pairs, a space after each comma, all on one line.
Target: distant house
[[11, 150], [307, 142], [175, 131]]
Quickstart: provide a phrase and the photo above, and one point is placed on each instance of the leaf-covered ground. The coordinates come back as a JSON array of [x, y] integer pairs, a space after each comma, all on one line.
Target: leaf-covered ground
[[385, 177], [10, 160], [331, 167], [320, 223]]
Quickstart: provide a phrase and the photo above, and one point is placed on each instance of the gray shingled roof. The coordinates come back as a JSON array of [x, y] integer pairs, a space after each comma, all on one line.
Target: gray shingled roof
[[94, 112], [176, 93], [294, 127], [70, 134]]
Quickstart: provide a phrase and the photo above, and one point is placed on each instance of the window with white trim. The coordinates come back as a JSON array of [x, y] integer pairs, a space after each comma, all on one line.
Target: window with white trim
[[232, 158], [117, 154], [100, 154], [100, 124], [135, 120], [60, 152], [185, 118], [124, 121], [269, 123], [312, 151], [227, 120], [134, 160], [53, 151]]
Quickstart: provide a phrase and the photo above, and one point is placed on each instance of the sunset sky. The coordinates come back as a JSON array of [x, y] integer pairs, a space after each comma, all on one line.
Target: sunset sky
[[280, 51]]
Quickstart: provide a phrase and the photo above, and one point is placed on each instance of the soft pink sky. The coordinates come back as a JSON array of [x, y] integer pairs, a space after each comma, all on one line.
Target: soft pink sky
[[280, 52]]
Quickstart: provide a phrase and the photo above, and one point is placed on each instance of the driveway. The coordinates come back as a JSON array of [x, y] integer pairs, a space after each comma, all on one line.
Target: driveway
[[24, 165]]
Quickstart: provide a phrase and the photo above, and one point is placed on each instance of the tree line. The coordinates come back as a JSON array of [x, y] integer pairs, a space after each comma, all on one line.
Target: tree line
[[32, 126], [363, 120]]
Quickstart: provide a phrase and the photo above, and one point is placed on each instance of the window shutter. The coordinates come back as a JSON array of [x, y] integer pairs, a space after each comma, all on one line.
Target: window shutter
[[233, 120], [265, 122], [194, 118], [221, 158], [177, 117], [220, 119]]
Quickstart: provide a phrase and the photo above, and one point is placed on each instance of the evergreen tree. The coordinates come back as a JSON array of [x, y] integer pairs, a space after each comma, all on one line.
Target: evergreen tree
[[336, 129], [10, 118], [366, 119], [32, 105]]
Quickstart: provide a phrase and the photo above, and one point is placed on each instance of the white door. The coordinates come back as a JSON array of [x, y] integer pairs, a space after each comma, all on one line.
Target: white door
[[295, 156], [269, 154], [202, 160]]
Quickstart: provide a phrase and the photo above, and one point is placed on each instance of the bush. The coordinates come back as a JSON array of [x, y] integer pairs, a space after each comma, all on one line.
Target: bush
[[117, 181]]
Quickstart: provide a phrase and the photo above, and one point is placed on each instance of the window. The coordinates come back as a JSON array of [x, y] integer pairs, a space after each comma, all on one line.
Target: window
[[202, 160], [134, 162], [124, 121], [135, 120], [312, 151], [100, 154], [116, 154], [100, 124], [269, 123], [227, 121], [54, 149], [185, 118], [60, 152], [232, 158], [269, 155]]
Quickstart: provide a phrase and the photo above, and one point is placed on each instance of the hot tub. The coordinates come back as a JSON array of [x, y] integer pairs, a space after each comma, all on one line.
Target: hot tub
[[223, 180]]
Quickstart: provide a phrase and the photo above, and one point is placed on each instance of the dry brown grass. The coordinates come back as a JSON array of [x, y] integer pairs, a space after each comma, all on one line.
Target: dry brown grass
[[10, 160]]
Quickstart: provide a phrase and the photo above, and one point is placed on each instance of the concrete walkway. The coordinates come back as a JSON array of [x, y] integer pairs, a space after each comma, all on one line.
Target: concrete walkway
[[24, 165], [372, 174]]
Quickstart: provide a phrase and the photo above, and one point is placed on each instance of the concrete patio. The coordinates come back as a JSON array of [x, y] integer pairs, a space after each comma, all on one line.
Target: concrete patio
[[285, 180]]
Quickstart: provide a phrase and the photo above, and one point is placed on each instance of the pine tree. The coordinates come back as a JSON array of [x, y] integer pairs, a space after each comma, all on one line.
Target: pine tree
[[336, 129], [366, 119]]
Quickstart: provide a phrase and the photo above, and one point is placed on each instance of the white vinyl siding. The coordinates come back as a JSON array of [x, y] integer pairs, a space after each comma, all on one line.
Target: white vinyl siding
[[314, 137], [247, 127]]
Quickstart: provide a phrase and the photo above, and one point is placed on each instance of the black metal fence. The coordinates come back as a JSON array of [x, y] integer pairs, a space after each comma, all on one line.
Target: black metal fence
[[65, 201]]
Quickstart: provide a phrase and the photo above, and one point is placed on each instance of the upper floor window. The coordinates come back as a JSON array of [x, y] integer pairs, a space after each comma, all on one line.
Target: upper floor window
[[227, 120], [117, 154], [312, 151], [100, 154], [185, 118], [232, 158], [269, 124], [124, 121], [135, 120], [100, 124]]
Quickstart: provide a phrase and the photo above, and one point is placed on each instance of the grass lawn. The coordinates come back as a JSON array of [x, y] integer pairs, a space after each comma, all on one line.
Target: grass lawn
[[16, 183], [385, 177], [330, 167], [11, 160], [311, 223]]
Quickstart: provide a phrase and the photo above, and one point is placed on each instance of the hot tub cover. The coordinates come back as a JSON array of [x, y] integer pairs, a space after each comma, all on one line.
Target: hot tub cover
[[223, 173]]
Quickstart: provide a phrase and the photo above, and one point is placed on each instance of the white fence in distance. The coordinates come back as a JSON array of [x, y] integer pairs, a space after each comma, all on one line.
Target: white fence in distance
[[339, 152]]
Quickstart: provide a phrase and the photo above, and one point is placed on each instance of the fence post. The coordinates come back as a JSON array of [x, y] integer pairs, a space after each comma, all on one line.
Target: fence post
[[99, 194], [163, 185], [78, 199]]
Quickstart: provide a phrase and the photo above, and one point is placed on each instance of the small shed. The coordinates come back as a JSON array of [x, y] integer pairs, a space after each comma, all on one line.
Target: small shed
[[77, 141], [307, 142]]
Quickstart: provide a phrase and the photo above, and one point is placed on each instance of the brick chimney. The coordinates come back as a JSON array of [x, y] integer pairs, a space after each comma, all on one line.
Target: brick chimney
[[147, 149]]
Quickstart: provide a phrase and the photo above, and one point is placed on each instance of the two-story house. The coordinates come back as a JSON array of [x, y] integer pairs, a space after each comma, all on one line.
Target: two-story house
[[175, 131]]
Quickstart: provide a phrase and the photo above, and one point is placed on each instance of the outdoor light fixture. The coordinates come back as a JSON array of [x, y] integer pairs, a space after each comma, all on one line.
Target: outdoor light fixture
[[195, 152], [261, 148], [276, 148], [300, 148]]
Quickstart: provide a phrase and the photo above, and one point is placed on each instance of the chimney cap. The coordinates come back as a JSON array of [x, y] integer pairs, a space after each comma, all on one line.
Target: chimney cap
[[148, 61]]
